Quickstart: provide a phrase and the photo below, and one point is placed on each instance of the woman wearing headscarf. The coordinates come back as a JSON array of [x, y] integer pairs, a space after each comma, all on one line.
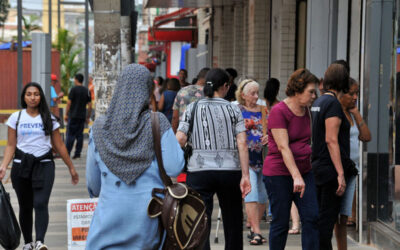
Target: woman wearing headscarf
[[122, 168]]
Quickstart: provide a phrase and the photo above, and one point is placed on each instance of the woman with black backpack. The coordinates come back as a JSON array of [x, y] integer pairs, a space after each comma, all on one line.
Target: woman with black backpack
[[32, 132]]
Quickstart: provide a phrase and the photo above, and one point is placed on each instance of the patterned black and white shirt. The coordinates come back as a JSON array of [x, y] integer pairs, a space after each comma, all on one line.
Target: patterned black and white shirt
[[215, 126]]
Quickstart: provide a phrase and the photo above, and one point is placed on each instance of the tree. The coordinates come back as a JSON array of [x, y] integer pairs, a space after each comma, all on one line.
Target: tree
[[29, 26], [69, 60], [4, 6]]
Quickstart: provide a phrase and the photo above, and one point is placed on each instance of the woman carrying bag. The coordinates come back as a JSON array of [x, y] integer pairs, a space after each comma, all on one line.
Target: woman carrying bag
[[122, 169], [31, 134]]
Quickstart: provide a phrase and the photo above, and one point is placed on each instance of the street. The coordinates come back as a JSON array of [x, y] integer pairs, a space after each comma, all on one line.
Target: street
[[56, 237]]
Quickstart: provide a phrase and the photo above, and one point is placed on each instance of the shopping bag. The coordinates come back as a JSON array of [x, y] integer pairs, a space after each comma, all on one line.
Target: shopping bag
[[10, 232]]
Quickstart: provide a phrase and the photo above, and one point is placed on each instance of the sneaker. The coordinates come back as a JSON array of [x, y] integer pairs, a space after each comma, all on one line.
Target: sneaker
[[28, 246], [40, 246]]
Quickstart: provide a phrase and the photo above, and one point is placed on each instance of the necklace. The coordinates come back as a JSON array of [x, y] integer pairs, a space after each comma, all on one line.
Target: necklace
[[331, 92]]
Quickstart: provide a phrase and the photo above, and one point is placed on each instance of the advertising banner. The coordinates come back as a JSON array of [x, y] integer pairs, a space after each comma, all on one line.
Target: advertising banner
[[79, 216]]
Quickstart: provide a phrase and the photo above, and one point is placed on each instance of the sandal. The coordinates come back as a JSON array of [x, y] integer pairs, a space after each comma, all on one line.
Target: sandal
[[257, 240], [250, 235], [351, 223], [294, 231]]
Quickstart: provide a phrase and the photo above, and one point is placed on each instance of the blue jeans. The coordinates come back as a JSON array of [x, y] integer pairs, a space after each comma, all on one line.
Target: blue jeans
[[75, 129], [280, 193]]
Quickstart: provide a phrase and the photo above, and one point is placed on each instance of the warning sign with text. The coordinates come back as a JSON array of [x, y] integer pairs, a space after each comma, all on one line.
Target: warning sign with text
[[80, 213]]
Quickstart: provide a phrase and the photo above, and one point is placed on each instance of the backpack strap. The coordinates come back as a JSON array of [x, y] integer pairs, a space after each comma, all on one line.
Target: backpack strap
[[193, 113], [155, 125], [16, 124]]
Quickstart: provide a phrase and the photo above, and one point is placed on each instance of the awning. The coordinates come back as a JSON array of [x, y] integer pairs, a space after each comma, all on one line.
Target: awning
[[7, 46], [173, 16], [156, 33], [177, 3], [189, 3], [183, 35]]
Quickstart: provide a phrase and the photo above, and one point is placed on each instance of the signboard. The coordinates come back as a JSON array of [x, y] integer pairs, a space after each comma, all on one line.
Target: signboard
[[79, 217]]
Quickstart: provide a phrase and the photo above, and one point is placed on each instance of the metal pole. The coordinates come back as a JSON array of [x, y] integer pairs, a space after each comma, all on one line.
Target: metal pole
[[86, 43], [50, 19], [361, 161], [58, 14], [19, 52]]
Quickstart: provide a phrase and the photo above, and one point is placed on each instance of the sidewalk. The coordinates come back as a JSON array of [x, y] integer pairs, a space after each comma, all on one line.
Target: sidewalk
[[56, 238]]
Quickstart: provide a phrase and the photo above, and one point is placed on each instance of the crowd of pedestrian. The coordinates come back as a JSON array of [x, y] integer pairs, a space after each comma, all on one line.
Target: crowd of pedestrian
[[296, 158]]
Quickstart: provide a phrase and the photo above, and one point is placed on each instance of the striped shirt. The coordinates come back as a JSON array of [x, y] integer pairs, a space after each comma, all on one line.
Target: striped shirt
[[216, 124]]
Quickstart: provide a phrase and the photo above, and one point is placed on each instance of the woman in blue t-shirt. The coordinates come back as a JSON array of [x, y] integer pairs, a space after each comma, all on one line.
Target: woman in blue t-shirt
[[167, 98]]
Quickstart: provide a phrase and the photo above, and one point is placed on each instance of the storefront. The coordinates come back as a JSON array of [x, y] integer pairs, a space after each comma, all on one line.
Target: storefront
[[380, 80], [265, 38]]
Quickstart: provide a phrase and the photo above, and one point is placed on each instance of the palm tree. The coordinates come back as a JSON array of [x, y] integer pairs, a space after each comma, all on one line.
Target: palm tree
[[29, 26], [4, 6], [69, 60]]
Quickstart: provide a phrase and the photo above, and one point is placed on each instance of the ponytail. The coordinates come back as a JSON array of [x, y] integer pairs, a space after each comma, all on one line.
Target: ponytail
[[215, 79]]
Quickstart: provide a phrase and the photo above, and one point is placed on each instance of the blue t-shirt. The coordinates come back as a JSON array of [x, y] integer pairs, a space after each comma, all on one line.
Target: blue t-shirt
[[169, 97], [53, 94]]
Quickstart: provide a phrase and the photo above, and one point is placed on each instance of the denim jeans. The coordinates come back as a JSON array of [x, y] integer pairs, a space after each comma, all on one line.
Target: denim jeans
[[75, 129], [226, 185], [280, 193]]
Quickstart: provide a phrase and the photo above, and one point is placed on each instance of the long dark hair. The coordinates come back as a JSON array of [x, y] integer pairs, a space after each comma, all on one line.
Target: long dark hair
[[271, 90], [43, 108], [215, 79]]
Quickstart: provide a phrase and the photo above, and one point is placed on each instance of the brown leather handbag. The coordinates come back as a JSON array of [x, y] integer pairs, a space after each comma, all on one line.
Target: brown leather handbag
[[180, 209]]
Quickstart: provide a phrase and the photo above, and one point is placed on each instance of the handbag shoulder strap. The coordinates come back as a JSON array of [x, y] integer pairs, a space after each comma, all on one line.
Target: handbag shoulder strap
[[155, 125], [263, 119], [193, 113], [16, 124]]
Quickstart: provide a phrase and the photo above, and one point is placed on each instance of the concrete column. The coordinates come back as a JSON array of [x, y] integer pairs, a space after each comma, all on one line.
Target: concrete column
[[216, 36], [283, 41], [258, 40], [238, 38], [227, 38], [107, 39], [321, 35], [126, 43], [355, 34]]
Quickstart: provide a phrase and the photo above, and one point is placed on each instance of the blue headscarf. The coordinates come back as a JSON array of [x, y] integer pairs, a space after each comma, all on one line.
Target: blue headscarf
[[123, 136]]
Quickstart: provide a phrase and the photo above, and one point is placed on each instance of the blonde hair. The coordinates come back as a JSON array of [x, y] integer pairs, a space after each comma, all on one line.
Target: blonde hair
[[243, 87]]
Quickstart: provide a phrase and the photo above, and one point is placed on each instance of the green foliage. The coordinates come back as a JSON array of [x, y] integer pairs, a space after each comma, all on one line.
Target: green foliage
[[29, 26], [69, 58], [4, 6]]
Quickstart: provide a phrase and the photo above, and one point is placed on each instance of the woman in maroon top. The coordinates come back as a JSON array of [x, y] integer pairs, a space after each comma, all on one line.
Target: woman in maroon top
[[287, 167]]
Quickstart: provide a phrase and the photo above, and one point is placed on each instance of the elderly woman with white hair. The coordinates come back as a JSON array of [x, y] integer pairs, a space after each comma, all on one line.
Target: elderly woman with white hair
[[255, 117]]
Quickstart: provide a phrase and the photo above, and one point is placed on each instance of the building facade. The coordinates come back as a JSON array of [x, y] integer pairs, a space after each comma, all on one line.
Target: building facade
[[272, 38]]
